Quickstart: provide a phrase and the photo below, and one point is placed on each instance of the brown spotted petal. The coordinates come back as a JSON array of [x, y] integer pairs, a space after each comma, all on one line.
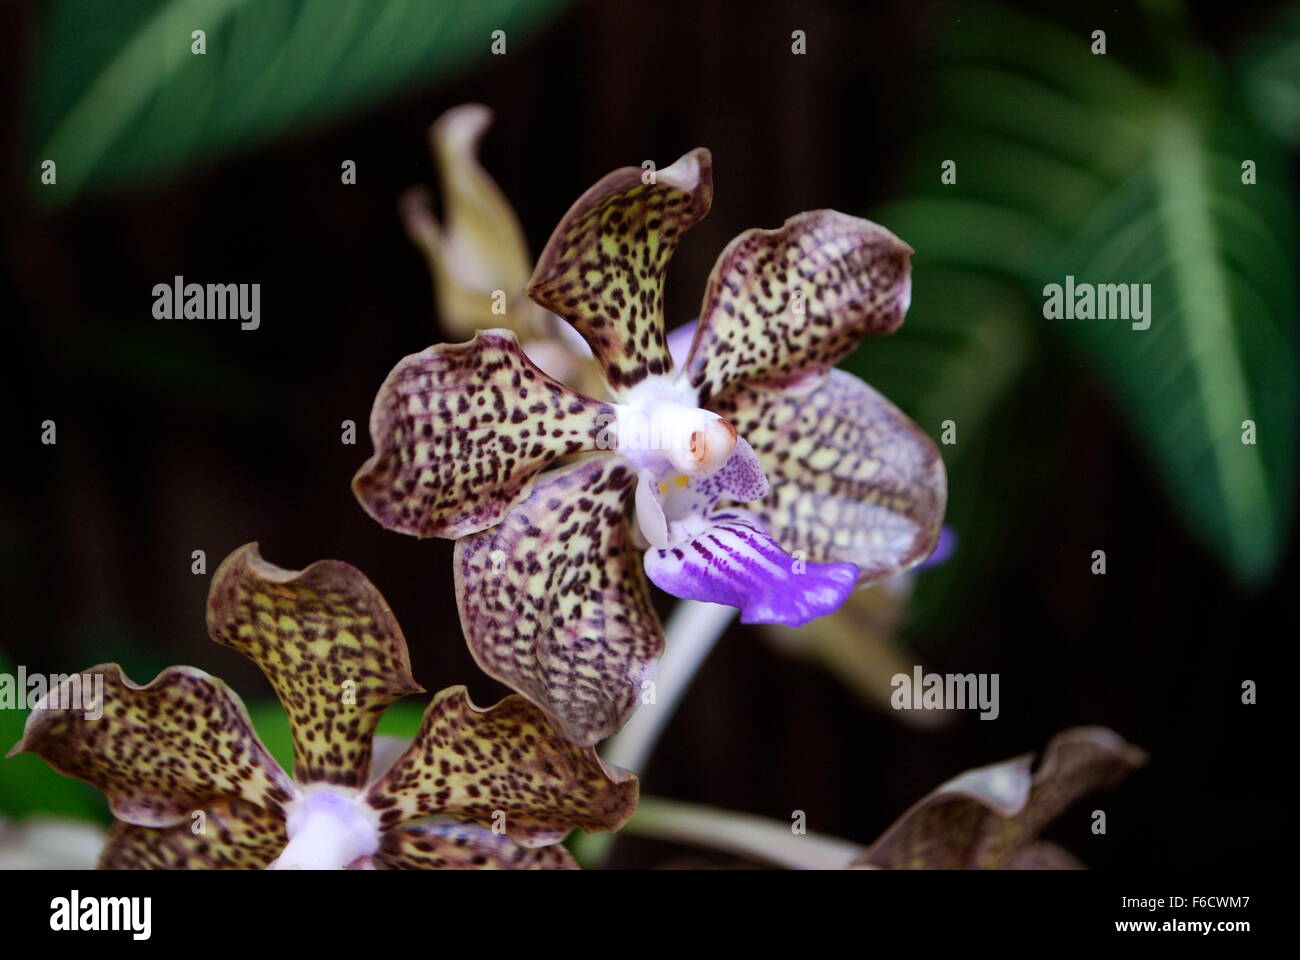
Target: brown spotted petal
[[853, 479], [457, 845], [782, 302], [460, 429], [505, 766], [603, 268], [234, 836], [554, 601], [990, 817], [331, 648], [160, 751]]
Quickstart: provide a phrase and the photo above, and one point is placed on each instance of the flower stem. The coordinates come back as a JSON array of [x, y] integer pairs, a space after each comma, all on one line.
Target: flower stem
[[692, 631], [756, 838], [690, 635]]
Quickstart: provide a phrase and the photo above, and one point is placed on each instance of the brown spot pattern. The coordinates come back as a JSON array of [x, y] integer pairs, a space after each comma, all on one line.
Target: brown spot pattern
[[236, 836], [554, 601], [852, 278], [603, 267], [329, 644], [472, 763], [455, 845], [852, 477], [460, 429], [159, 751]]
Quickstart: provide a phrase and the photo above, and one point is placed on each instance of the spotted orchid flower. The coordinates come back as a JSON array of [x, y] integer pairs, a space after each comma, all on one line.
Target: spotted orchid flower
[[193, 787], [751, 473]]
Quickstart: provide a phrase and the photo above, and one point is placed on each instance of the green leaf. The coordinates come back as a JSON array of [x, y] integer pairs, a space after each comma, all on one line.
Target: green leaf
[[1069, 165], [1269, 67], [120, 95]]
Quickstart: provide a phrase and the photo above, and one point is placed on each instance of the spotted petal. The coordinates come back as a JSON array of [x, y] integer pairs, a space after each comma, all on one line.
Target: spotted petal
[[782, 302], [603, 268], [331, 648], [234, 836], [733, 561], [990, 817], [505, 765], [853, 479], [460, 429], [554, 603], [455, 845], [159, 751]]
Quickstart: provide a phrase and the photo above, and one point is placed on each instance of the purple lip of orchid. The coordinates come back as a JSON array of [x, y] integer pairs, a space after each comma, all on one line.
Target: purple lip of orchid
[[744, 470]]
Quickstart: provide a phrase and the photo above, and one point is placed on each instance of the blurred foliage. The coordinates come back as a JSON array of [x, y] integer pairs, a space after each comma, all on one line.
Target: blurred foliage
[[1067, 163], [1269, 68], [120, 97]]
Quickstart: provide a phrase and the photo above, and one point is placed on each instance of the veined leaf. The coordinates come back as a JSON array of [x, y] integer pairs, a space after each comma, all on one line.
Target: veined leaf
[[1069, 166], [119, 94]]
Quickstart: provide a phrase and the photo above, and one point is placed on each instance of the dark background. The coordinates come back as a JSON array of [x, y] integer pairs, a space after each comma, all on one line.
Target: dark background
[[183, 435]]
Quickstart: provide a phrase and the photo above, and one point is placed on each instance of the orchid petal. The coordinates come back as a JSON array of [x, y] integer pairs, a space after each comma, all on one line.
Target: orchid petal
[[505, 765], [734, 562], [990, 817], [460, 429], [781, 302], [331, 648], [454, 845], [233, 836], [160, 751], [554, 604], [480, 249], [853, 479], [603, 267]]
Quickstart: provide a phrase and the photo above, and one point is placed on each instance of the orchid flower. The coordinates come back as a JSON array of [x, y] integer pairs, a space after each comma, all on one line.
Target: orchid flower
[[192, 785], [753, 474]]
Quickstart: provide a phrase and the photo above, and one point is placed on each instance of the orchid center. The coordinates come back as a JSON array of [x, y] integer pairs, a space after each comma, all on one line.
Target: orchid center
[[661, 429], [328, 830]]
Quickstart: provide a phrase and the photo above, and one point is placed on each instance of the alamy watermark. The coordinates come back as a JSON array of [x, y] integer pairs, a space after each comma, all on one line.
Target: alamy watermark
[[951, 691], [1099, 301], [179, 300], [75, 913], [80, 692]]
